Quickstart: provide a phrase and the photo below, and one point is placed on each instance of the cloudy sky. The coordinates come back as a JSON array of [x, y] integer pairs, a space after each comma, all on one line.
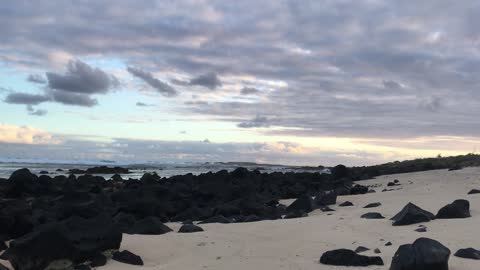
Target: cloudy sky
[[281, 81]]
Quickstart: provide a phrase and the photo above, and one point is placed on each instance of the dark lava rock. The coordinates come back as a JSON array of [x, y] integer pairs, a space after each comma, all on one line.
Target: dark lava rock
[[377, 251], [127, 257], [372, 215], [251, 218], [107, 170], [149, 226], [21, 182], [388, 244], [457, 209], [303, 203], [358, 189], [340, 171], [411, 214], [82, 267], [325, 198], [43, 172], [391, 184], [421, 229], [216, 219], [346, 257], [347, 203], [361, 249], [98, 260], [327, 209], [424, 253], [295, 214], [15, 218], [372, 205], [3, 246], [190, 228], [468, 253], [473, 191], [75, 239]]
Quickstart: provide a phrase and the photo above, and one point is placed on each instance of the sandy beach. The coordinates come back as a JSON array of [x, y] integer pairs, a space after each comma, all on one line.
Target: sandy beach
[[297, 244]]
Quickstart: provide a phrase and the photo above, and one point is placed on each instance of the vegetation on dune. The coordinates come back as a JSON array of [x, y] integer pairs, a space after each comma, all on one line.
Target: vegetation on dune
[[416, 165]]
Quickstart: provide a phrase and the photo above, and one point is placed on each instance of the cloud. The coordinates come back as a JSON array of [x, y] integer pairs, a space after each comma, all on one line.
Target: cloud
[[38, 112], [36, 78], [27, 99], [81, 78], [257, 122], [24, 135], [249, 91], [389, 84], [147, 77], [75, 99], [332, 84], [141, 104], [208, 80]]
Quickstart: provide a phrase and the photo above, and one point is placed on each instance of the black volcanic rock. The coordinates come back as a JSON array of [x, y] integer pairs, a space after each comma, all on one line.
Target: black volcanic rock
[[75, 239], [468, 253], [346, 257], [411, 214], [421, 229], [372, 215], [216, 219], [149, 226], [15, 218], [358, 189], [340, 172], [98, 260], [457, 209], [474, 191], [303, 203], [127, 257], [295, 214], [3, 246], [326, 209], [347, 203], [101, 170], [361, 249], [21, 182], [190, 228], [372, 205], [424, 253], [325, 198]]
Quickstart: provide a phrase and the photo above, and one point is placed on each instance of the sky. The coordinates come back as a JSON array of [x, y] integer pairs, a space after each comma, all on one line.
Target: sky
[[356, 82]]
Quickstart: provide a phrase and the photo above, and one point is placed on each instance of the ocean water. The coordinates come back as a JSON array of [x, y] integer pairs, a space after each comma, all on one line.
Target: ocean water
[[137, 170]]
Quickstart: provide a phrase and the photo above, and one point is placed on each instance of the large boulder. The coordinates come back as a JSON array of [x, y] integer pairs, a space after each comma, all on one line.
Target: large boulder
[[457, 209], [75, 239], [15, 218], [424, 253], [303, 203], [411, 214], [21, 182], [149, 226], [325, 198], [346, 257], [358, 189], [216, 219]]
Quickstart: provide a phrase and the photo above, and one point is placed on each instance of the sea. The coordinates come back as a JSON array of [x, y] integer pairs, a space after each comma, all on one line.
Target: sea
[[137, 170]]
